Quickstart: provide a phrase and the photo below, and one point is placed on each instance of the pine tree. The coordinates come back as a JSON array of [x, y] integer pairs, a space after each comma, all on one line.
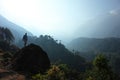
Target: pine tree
[[6, 35], [101, 70]]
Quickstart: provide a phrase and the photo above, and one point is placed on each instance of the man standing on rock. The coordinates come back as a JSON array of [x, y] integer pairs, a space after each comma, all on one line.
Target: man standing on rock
[[25, 39]]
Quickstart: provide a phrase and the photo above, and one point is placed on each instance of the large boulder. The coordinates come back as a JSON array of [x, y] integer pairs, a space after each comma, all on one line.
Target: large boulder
[[30, 59]]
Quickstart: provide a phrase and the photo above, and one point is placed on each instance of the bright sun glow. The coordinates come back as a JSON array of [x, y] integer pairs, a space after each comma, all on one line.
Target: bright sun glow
[[60, 18], [35, 12], [52, 17]]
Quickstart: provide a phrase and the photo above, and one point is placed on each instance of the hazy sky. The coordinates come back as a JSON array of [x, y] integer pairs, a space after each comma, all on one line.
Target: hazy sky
[[59, 18]]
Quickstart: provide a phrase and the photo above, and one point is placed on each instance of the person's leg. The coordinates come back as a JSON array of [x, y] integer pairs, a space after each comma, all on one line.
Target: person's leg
[[24, 43]]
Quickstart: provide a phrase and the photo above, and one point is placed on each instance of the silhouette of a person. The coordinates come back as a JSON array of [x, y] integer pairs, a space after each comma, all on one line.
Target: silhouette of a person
[[25, 39]]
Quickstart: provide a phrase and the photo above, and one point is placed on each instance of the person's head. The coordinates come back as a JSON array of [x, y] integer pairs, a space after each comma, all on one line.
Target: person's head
[[25, 33]]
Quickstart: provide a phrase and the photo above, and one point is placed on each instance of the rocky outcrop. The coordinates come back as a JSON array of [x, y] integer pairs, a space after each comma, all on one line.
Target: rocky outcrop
[[30, 59]]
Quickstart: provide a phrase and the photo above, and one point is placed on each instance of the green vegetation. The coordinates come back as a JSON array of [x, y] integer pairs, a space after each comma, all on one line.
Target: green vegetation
[[6, 35], [58, 72], [65, 64], [57, 52], [101, 70]]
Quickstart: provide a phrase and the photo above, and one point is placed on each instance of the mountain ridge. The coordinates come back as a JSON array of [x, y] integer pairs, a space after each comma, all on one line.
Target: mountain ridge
[[95, 44], [17, 30]]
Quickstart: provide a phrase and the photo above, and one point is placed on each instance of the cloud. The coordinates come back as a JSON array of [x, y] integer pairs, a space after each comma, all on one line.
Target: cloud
[[115, 12]]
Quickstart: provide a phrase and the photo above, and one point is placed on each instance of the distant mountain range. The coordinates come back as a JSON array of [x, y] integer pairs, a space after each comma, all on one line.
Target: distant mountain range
[[17, 30], [103, 26], [99, 34], [95, 45]]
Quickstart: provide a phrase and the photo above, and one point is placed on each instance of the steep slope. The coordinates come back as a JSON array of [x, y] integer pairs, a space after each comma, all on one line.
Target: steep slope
[[15, 29]]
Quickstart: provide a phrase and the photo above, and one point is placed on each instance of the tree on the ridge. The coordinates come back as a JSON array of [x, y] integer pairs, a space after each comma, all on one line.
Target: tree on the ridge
[[6, 35], [1, 33]]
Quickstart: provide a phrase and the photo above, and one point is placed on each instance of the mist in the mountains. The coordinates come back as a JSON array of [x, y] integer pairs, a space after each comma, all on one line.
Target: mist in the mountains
[[64, 20]]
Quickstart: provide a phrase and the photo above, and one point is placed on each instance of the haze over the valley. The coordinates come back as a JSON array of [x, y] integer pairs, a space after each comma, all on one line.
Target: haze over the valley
[[62, 19]]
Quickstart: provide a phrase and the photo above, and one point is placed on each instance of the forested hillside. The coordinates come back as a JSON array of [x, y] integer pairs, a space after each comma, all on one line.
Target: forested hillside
[[57, 52], [31, 62], [95, 44]]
